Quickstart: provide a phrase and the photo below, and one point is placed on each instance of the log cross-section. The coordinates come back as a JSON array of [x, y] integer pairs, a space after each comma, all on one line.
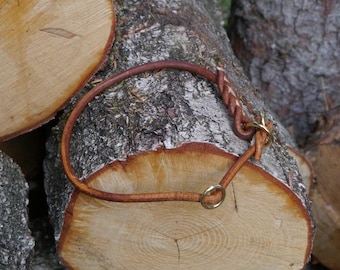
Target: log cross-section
[[261, 223], [48, 51]]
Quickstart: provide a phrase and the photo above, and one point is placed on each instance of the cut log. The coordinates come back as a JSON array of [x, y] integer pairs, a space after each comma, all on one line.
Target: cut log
[[48, 51], [324, 152], [255, 221], [170, 131], [16, 242]]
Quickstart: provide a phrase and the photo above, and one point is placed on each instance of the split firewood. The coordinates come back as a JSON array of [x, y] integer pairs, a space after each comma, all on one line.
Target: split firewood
[[290, 51], [166, 131], [324, 152], [16, 242], [48, 51]]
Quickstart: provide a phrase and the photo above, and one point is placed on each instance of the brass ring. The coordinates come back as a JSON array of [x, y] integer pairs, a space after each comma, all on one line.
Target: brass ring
[[207, 191], [263, 127]]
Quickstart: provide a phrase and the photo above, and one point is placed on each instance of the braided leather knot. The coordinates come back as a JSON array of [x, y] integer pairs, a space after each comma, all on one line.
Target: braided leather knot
[[231, 100]]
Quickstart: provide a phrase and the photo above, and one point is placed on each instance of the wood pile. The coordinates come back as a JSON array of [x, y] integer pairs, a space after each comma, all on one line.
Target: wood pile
[[164, 131]]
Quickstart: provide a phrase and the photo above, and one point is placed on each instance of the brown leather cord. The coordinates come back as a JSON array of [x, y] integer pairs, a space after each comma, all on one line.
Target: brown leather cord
[[242, 126]]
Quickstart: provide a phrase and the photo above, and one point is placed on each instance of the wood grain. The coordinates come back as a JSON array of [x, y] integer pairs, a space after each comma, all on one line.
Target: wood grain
[[260, 225], [48, 51]]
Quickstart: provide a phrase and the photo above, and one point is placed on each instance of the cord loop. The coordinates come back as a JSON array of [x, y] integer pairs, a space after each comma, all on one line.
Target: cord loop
[[243, 127]]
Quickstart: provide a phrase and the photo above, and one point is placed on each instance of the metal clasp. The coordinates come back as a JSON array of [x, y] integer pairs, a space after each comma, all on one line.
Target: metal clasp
[[262, 126], [208, 191]]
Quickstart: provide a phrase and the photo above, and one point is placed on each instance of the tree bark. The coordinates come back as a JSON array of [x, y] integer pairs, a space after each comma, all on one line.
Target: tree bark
[[45, 255], [290, 51], [169, 113], [16, 242]]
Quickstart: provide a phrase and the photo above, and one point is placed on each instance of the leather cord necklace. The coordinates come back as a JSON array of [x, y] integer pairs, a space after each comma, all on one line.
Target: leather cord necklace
[[243, 127]]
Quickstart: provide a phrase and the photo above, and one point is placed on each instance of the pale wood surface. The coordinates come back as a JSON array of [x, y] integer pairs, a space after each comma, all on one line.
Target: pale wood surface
[[259, 226], [48, 50], [326, 203]]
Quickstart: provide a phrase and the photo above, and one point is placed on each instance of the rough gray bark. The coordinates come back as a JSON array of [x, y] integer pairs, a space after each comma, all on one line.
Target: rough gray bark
[[165, 108], [45, 256], [290, 51], [16, 242]]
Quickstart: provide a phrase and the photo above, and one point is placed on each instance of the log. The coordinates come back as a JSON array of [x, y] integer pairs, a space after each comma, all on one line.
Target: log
[[42, 43], [27, 151], [323, 152], [169, 130], [16, 242], [298, 72]]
